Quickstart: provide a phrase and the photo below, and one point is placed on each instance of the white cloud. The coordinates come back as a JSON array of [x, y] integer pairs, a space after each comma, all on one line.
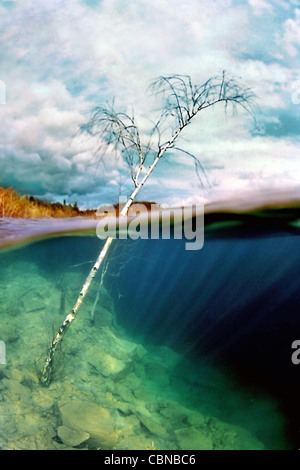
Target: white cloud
[[291, 36], [260, 7], [60, 57]]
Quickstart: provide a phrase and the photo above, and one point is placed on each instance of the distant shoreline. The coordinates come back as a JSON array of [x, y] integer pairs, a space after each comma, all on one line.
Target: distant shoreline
[[12, 204]]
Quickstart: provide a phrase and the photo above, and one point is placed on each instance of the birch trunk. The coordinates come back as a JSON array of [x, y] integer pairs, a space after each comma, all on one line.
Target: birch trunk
[[183, 102], [47, 373]]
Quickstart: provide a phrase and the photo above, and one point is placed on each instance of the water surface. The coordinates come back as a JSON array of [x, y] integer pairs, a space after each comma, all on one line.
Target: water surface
[[172, 349]]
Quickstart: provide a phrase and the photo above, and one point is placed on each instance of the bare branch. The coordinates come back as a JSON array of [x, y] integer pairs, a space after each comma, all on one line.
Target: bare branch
[[181, 103], [200, 171], [119, 130]]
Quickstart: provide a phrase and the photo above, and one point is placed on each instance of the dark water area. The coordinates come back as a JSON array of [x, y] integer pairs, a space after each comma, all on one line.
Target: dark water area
[[236, 303], [228, 312]]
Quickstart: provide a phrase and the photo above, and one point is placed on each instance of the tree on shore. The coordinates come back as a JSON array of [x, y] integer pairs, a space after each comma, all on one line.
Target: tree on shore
[[12, 204], [181, 102]]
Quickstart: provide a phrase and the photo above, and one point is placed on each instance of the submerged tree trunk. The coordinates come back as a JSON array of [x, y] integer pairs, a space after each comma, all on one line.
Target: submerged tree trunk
[[182, 102], [47, 373], [48, 367]]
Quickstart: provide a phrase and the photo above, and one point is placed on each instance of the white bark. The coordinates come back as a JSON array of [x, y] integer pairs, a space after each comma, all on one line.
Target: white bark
[[189, 101], [48, 367]]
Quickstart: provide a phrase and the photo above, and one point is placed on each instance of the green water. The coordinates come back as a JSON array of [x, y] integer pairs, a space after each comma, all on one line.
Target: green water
[[111, 391]]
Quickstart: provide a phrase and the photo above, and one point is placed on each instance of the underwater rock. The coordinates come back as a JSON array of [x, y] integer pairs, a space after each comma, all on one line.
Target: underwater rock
[[139, 370], [17, 391], [103, 317], [8, 424], [14, 308], [33, 302], [124, 393], [25, 443], [157, 370], [124, 408], [195, 418], [129, 426], [109, 365], [139, 394], [192, 439], [40, 397], [93, 419], [140, 352], [122, 348], [9, 334], [72, 437], [153, 426], [132, 423], [137, 442], [139, 409], [133, 382], [180, 414], [14, 374], [232, 437]]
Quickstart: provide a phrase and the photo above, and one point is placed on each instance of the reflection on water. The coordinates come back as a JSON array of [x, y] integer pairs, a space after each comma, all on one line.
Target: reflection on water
[[180, 350], [17, 231]]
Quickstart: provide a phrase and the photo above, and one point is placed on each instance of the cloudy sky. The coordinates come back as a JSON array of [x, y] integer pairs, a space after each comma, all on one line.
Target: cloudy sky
[[61, 57]]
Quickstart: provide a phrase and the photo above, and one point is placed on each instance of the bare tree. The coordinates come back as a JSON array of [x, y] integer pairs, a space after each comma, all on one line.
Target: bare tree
[[181, 102]]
